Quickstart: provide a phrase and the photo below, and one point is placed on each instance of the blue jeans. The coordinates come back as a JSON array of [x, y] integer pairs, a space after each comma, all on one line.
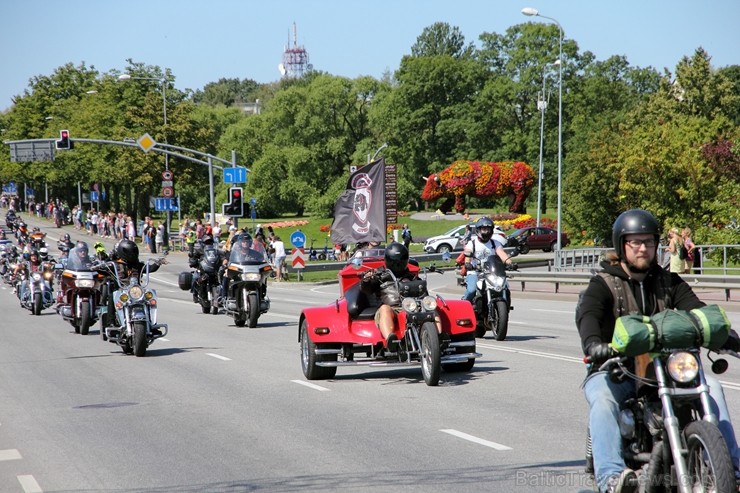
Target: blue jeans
[[470, 281], [604, 397]]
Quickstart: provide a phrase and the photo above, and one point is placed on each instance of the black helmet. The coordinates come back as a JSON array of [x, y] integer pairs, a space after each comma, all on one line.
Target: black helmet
[[484, 229], [396, 258], [633, 221], [127, 251], [65, 237], [244, 237], [81, 246], [208, 239]]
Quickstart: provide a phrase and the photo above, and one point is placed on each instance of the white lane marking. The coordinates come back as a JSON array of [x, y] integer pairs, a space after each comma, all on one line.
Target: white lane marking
[[10, 454], [550, 311], [218, 356], [730, 385], [479, 441], [311, 385], [534, 353], [29, 484]]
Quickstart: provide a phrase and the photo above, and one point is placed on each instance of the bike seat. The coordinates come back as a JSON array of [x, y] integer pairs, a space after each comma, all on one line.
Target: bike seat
[[358, 304]]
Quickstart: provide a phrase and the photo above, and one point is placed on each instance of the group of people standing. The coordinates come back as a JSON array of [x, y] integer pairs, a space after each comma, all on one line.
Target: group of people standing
[[684, 255]]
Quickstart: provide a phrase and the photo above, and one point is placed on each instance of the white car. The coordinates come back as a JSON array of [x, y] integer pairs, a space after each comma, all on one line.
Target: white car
[[448, 242], [451, 241]]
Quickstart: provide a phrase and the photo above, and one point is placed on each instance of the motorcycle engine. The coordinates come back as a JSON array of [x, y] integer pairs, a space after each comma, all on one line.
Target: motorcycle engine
[[627, 424]]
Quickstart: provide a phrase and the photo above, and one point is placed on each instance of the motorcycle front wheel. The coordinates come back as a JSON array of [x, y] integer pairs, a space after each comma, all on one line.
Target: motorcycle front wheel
[[139, 337], [37, 304], [498, 319], [709, 465], [430, 357], [253, 309], [84, 317]]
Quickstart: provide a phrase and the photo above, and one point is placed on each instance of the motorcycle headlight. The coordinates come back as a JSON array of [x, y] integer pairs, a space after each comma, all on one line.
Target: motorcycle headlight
[[123, 297], [251, 276], [148, 295], [429, 303], [683, 367], [35, 276], [48, 275], [496, 282], [136, 292], [85, 283], [410, 305]]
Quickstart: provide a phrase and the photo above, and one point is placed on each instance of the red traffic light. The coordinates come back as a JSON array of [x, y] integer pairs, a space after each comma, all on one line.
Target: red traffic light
[[236, 193], [64, 141]]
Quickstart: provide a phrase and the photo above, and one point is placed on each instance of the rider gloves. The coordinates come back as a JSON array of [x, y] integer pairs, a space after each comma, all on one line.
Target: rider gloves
[[599, 352]]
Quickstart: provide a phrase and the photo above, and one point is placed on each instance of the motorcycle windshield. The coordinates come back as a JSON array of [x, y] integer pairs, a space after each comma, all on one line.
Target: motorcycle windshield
[[494, 264], [255, 254], [78, 260]]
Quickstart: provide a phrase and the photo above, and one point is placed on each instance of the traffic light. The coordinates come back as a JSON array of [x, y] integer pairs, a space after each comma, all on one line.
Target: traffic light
[[235, 206], [64, 141]]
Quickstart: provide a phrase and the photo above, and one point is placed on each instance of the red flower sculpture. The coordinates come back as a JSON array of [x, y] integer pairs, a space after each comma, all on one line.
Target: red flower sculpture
[[480, 179]]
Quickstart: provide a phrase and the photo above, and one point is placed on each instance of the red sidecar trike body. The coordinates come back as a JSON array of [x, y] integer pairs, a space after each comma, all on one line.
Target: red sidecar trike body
[[344, 333]]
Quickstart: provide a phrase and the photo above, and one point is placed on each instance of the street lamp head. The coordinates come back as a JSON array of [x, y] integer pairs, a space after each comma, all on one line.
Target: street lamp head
[[124, 77], [529, 11], [93, 91]]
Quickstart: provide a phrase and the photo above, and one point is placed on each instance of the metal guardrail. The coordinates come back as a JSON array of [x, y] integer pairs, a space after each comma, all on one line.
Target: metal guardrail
[[589, 258], [706, 281]]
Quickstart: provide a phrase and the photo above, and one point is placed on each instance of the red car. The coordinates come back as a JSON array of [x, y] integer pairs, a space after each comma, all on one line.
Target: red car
[[344, 333], [541, 238]]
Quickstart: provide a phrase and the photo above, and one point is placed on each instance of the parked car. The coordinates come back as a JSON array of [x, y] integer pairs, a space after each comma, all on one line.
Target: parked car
[[448, 242], [541, 238]]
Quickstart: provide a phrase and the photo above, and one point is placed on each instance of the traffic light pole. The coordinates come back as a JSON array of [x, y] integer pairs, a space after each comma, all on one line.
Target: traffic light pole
[[166, 149]]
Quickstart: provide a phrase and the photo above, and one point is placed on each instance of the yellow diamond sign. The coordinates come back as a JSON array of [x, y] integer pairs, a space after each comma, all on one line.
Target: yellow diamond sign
[[146, 142]]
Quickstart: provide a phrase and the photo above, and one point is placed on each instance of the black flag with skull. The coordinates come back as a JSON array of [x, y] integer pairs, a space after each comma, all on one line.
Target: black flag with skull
[[359, 213]]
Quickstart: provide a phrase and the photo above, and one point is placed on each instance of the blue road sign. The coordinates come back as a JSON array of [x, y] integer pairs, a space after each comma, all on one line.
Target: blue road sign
[[298, 239], [10, 188], [30, 192], [235, 175], [165, 204], [253, 213], [93, 196], [253, 201]]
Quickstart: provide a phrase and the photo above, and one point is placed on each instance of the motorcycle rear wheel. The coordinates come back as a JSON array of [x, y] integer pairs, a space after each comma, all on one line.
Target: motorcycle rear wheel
[[708, 462], [430, 356], [84, 317], [139, 338]]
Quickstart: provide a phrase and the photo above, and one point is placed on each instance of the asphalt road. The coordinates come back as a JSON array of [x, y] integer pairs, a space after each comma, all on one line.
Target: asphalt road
[[217, 408]]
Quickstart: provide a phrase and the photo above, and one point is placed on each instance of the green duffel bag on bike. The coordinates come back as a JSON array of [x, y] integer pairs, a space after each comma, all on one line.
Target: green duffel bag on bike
[[706, 327]]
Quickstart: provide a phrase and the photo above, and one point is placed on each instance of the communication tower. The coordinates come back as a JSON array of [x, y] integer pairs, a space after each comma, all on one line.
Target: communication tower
[[295, 59]]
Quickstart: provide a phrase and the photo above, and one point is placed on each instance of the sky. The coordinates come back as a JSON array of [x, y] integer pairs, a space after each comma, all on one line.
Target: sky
[[202, 41]]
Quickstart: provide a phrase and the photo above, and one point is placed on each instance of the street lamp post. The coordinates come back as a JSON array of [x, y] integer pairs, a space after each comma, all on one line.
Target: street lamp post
[[162, 81], [541, 106], [529, 11]]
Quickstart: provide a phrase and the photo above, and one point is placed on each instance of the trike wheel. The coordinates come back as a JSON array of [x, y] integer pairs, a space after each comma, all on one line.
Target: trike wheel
[[309, 358], [430, 357]]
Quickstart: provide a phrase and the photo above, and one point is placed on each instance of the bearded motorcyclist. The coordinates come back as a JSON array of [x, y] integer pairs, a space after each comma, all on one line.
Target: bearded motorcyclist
[[632, 264], [477, 250]]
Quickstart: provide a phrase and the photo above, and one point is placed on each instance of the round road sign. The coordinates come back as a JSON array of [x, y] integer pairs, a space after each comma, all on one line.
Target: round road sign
[[167, 175], [168, 192], [298, 239]]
